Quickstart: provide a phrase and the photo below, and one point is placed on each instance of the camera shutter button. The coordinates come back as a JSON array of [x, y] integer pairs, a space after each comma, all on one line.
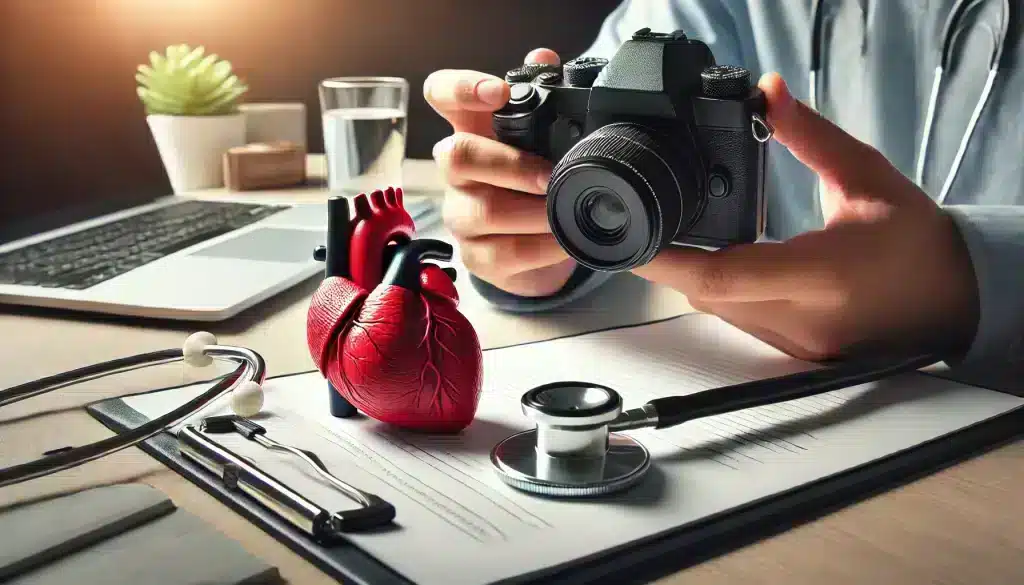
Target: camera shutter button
[[523, 97]]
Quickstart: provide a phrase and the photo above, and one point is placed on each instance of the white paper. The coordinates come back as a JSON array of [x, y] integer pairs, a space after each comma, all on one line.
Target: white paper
[[458, 524]]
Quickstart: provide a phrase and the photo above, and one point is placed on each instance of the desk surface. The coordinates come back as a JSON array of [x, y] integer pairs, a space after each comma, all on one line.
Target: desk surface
[[960, 526]]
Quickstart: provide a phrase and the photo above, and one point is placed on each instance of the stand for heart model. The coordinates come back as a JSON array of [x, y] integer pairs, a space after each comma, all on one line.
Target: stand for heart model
[[384, 326]]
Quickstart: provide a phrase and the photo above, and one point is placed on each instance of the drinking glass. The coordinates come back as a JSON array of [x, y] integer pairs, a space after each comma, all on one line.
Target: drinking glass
[[364, 125]]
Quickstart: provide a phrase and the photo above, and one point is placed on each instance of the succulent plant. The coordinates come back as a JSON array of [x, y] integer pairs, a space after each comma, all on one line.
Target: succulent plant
[[184, 82]]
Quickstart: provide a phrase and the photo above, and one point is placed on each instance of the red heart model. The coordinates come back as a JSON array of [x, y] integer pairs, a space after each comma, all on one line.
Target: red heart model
[[401, 353]]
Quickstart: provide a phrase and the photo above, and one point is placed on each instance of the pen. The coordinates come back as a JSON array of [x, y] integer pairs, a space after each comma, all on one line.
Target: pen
[[237, 474]]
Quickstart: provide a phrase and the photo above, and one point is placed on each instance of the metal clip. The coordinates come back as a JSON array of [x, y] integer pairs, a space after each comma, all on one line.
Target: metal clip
[[238, 474], [766, 130]]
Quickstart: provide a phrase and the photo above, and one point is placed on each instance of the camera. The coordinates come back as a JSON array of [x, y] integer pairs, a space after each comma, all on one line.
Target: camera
[[657, 146]]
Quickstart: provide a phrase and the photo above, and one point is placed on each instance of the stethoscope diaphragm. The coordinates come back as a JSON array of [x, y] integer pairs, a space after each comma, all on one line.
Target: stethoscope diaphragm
[[520, 465], [571, 452]]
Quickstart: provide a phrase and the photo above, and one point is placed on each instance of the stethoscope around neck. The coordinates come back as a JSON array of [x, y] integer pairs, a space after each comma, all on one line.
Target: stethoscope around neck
[[950, 33]]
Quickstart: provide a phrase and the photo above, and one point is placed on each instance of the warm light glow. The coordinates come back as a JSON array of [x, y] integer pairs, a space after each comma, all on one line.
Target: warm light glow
[[154, 13]]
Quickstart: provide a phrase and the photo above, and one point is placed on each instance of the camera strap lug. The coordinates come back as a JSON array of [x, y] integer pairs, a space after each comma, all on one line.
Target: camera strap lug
[[762, 130]]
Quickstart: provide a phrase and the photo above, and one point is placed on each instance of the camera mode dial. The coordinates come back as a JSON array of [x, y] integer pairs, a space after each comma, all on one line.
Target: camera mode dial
[[550, 78], [582, 71], [725, 81], [526, 73]]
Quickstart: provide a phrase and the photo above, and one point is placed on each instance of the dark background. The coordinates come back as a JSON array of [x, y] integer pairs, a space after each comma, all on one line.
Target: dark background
[[73, 130]]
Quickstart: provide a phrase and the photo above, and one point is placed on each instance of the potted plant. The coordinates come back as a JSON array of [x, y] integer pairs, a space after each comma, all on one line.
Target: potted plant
[[191, 101]]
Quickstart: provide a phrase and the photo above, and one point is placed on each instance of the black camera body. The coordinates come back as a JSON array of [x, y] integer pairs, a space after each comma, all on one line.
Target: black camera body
[[657, 146]]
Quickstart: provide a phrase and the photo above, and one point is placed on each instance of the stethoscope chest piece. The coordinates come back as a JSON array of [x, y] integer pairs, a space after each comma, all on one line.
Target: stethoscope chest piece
[[571, 452]]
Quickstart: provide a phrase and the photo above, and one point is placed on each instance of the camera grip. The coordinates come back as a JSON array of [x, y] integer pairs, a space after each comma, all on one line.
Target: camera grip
[[525, 121], [522, 133], [525, 141]]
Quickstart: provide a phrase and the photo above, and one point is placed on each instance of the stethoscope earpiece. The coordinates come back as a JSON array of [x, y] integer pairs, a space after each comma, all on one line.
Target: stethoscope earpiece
[[246, 397]]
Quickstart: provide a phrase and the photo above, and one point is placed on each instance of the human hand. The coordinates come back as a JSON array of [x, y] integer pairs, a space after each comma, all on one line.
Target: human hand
[[888, 270], [494, 202]]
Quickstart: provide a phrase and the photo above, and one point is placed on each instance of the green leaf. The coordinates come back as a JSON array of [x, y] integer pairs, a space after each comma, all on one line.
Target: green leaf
[[223, 104], [192, 57], [188, 81]]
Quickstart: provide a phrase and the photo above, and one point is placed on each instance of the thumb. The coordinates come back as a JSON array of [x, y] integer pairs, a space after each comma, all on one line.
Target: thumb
[[825, 148]]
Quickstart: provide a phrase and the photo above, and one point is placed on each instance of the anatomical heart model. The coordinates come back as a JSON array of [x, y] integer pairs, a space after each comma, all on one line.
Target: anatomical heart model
[[384, 326]]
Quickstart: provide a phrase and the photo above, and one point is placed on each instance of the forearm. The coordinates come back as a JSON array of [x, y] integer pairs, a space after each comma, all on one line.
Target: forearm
[[994, 236]]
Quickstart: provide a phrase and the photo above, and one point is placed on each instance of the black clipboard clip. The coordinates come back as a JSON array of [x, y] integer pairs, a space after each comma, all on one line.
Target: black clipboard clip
[[238, 474]]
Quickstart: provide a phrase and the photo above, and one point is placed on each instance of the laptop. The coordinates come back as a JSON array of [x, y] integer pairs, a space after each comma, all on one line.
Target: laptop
[[173, 257]]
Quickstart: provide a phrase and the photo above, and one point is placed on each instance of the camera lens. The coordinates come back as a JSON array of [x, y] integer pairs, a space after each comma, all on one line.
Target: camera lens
[[603, 215], [620, 195]]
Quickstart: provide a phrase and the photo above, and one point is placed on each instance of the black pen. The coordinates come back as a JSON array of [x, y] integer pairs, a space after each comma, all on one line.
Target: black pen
[[237, 474]]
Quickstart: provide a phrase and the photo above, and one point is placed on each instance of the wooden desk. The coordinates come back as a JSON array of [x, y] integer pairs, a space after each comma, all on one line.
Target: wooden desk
[[961, 526]]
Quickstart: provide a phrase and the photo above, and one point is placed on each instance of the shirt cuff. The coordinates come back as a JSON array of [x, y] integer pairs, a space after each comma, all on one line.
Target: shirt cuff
[[994, 236], [582, 282]]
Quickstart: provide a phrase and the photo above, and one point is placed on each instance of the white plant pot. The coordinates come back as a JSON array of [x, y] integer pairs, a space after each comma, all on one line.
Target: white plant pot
[[192, 147]]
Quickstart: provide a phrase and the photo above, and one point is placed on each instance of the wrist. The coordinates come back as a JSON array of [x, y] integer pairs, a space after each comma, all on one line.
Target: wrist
[[580, 282], [963, 304]]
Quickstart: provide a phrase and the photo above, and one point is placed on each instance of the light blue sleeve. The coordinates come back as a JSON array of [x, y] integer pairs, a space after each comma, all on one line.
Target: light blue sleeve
[[994, 236], [707, 20]]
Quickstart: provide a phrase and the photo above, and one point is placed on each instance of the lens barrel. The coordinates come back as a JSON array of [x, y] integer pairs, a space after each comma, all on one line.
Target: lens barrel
[[619, 196]]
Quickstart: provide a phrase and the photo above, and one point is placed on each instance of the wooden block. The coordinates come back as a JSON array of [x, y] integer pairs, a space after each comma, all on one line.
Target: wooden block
[[264, 165]]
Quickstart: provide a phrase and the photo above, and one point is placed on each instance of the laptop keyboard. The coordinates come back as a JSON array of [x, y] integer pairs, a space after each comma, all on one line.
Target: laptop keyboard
[[88, 257]]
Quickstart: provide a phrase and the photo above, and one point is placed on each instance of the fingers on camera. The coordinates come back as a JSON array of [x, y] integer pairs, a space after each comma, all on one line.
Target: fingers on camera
[[824, 147], [482, 209], [455, 90], [466, 98], [495, 258], [468, 158], [542, 56]]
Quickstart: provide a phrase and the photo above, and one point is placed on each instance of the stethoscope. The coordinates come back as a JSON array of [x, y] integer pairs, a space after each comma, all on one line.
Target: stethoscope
[[577, 447], [199, 350], [950, 32]]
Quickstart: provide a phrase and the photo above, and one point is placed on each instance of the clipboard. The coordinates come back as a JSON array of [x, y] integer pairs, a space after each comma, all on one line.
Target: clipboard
[[643, 560]]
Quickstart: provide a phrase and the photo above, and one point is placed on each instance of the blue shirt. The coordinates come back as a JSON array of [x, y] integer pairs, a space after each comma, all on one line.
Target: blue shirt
[[878, 62]]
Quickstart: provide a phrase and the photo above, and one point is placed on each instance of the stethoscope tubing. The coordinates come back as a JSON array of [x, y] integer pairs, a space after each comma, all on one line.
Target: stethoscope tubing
[[675, 410], [251, 366], [950, 33]]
